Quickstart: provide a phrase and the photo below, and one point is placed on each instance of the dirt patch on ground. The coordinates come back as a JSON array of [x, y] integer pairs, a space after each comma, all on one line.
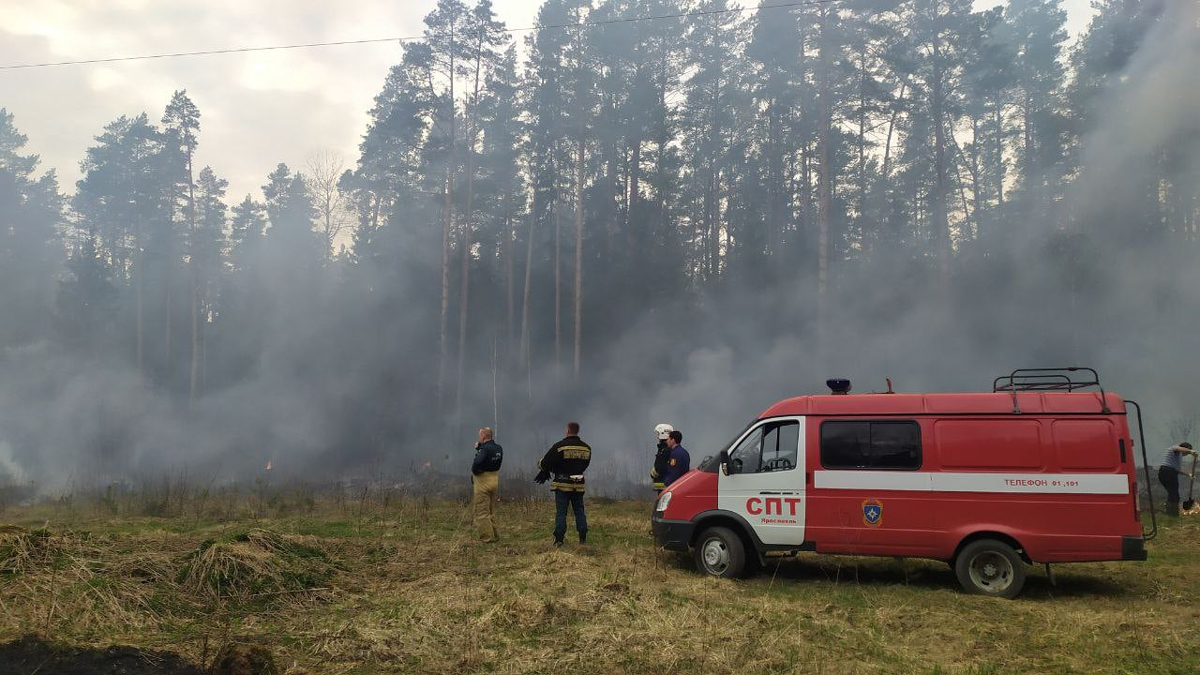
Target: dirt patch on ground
[[31, 654]]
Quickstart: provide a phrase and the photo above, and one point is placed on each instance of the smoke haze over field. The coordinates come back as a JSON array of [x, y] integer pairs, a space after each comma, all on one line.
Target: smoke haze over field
[[718, 180]]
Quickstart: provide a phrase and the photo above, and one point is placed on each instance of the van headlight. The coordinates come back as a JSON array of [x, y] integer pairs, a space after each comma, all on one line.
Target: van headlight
[[663, 501]]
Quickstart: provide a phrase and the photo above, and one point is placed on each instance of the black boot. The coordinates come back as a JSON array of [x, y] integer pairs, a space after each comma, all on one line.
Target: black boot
[[583, 537], [1173, 509], [558, 543]]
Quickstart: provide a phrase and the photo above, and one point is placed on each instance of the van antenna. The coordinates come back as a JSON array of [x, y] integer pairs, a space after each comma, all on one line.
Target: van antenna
[[889, 381]]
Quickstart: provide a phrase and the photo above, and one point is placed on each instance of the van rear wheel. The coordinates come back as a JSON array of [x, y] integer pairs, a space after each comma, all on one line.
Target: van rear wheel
[[990, 567], [720, 553]]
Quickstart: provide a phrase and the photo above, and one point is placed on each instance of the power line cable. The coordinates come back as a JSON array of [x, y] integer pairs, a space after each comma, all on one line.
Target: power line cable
[[410, 38]]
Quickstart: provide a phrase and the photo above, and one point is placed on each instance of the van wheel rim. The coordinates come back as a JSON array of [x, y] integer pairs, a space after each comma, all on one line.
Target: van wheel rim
[[991, 572], [716, 556]]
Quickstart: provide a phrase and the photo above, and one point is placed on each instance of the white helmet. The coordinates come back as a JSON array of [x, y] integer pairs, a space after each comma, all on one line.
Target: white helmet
[[663, 430]]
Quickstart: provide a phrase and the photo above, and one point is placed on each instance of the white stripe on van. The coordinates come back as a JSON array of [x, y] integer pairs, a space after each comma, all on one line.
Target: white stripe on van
[[945, 481]]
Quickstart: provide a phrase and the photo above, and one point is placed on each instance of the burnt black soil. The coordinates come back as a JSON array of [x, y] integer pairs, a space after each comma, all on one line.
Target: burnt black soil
[[31, 654]]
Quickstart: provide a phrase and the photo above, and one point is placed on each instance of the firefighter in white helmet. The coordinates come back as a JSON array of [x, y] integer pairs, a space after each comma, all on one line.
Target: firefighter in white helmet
[[661, 457]]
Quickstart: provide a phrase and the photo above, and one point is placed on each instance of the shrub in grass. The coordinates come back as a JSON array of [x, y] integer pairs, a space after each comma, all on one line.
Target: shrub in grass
[[23, 550], [254, 563]]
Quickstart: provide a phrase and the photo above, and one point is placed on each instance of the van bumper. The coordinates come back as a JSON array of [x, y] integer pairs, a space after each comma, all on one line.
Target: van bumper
[[673, 535], [1133, 548]]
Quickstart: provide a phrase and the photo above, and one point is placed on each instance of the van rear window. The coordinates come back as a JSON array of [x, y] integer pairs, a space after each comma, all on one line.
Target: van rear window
[[861, 444]]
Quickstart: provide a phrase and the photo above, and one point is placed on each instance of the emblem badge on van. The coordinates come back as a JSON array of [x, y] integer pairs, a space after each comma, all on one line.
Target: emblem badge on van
[[872, 512]]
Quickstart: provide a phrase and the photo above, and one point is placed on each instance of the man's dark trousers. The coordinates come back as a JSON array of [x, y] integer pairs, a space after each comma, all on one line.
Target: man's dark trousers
[[561, 499], [1169, 478]]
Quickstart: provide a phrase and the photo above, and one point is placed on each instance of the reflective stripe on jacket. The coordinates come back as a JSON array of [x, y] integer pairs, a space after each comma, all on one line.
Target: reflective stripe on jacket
[[566, 460]]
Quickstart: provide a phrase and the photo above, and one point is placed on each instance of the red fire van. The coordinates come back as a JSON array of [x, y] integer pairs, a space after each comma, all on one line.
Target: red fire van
[[1035, 472]]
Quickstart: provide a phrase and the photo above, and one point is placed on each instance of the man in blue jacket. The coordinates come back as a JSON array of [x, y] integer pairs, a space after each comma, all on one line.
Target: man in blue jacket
[[679, 462], [485, 481]]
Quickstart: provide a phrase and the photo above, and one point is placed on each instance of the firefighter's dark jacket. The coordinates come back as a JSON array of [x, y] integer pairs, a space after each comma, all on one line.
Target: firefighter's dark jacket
[[566, 461], [660, 465], [488, 456]]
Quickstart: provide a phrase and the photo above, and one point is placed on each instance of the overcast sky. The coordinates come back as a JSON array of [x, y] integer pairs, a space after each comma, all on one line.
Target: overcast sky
[[257, 109]]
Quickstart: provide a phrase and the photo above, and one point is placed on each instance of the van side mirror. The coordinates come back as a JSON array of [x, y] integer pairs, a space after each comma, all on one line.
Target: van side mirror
[[726, 466]]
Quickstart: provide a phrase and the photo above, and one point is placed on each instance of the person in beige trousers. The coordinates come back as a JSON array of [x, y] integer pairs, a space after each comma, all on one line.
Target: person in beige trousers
[[485, 481]]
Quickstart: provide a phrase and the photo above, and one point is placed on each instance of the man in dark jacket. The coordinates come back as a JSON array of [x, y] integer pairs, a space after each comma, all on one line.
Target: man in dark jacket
[[564, 464], [680, 462], [485, 479]]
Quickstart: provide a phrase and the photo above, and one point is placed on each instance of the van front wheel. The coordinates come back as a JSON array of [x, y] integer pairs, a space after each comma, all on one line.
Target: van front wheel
[[990, 567], [720, 553]]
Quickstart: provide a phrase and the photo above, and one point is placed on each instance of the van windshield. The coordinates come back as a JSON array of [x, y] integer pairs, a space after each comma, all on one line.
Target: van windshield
[[712, 464]]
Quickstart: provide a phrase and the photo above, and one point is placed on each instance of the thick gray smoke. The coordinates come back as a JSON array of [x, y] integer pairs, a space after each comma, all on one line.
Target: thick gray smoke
[[1073, 288], [1135, 322]]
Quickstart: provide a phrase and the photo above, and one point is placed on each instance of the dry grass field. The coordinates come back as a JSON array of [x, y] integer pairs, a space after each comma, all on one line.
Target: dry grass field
[[382, 583]]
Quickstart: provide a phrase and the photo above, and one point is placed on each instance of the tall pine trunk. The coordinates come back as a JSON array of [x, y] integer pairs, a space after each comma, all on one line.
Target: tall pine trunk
[[167, 311], [442, 320], [508, 283], [465, 279], [999, 126], [941, 225], [862, 149], [976, 184], [139, 260], [447, 226], [193, 282], [1031, 185], [525, 348], [557, 289], [579, 250], [824, 178]]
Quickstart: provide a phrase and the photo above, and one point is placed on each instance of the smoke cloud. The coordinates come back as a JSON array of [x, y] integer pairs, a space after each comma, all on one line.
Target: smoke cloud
[[1073, 287]]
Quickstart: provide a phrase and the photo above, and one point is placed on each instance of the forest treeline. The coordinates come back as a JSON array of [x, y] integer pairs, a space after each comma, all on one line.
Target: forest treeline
[[514, 211]]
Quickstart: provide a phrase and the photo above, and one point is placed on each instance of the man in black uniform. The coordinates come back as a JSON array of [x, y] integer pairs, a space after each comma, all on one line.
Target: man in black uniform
[[564, 464], [661, 457]]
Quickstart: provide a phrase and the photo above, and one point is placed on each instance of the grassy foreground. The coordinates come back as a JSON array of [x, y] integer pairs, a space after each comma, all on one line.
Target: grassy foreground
[[401, 585]]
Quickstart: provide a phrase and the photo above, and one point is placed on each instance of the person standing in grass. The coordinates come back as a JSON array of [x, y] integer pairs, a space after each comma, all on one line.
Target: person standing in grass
[[485, 482], [564, 464], [679, 461], [1169, 471], [661, 457]]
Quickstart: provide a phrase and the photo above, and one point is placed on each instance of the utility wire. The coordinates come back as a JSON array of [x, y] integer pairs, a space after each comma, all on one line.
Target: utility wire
[[410, 38]]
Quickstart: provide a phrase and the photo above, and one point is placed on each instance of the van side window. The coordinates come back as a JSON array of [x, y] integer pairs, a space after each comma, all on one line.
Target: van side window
[[771, 447], [870, 445], [779, 447]]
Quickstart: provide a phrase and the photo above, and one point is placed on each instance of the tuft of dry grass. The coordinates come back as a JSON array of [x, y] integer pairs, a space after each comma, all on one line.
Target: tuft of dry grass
[[257, 563], [22, 550]]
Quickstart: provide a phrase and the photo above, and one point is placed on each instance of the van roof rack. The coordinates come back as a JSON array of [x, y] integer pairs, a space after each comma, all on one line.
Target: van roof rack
[[1049, 379]]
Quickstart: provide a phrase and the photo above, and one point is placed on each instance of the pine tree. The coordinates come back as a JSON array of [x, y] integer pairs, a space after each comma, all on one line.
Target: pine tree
[[206, 251], [782, 136], [941, 34], [483, 35], [707, 124], [86, 299], [1037, 33], [447, 43], [123, 195], [30, 211], [181, 122]]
